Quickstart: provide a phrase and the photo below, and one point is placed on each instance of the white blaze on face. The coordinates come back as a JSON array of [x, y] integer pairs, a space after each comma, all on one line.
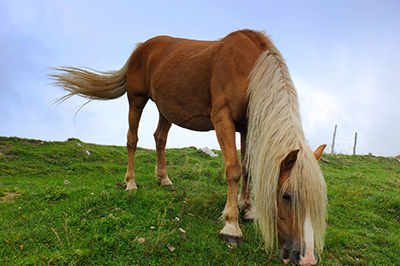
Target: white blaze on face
[[309, 259]]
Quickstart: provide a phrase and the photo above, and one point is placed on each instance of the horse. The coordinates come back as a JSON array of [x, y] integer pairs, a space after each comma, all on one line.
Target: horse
[[239, 83]]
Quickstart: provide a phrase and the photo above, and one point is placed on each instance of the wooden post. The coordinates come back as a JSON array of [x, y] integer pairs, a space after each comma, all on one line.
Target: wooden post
[[333, 141], [355, 143]]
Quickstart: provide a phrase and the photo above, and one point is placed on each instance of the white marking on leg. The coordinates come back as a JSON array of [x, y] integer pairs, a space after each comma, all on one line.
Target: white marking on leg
[[131, 185]]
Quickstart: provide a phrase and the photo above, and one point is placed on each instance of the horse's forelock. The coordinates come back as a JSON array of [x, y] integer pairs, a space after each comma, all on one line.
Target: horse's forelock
[[308, 184]]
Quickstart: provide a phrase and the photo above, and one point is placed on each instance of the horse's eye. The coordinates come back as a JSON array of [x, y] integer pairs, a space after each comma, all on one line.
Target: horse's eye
[[287, 197]]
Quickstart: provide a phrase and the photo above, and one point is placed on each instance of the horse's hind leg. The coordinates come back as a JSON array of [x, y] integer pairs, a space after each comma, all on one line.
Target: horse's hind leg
[[136, 106], [160, 136], [245, 201]]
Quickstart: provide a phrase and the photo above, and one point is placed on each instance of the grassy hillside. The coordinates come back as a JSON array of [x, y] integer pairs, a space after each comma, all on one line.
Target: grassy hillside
[[91, 219]]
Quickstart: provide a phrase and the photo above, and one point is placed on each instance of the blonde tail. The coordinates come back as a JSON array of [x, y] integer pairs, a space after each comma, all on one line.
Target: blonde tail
[[89, 83]]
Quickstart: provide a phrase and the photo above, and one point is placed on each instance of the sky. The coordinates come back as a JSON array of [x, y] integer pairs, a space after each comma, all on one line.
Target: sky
[[343, 57]]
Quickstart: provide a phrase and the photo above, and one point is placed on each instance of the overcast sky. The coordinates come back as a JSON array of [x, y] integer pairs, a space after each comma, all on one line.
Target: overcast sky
[[343, 57]]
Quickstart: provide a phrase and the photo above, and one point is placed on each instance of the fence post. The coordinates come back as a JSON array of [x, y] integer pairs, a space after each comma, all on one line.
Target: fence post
[[355, 143], [333, 141]]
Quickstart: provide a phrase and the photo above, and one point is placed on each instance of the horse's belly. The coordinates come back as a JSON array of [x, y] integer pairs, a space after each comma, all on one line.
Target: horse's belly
[[189, 109], [188, 119], [198, 123]]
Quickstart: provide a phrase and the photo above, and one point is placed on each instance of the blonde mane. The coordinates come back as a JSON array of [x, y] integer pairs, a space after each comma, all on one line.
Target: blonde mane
[[274, 130]]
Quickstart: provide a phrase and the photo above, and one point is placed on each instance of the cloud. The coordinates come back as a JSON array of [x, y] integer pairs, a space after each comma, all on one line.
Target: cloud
[[356, 90]]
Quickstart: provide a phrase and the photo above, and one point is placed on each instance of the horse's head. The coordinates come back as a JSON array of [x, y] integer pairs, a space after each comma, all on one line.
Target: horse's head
[[294, 223]]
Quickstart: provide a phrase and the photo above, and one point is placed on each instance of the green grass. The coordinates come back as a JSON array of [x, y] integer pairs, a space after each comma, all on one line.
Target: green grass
[[94, 221]]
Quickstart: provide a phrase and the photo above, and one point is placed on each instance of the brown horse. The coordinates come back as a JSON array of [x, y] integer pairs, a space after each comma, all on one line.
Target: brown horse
[[238, 84]]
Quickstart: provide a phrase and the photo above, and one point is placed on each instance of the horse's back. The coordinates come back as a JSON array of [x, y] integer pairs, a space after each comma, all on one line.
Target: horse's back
[[189, 79]]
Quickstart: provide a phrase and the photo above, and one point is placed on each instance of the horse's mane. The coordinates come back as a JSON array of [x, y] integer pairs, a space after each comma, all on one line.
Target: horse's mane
[[274, 130]]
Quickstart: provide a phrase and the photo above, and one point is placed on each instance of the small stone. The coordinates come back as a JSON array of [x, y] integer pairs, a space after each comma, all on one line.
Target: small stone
[[171, 248], [141, 240], [207, 151], [112, 216]]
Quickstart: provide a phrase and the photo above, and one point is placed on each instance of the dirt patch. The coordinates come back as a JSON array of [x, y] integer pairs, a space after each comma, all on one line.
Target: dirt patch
[[9, 196], [4, 149], [33, 141]]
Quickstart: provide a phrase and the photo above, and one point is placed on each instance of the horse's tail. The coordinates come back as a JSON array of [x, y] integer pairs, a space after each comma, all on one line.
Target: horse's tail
[[91, 84]]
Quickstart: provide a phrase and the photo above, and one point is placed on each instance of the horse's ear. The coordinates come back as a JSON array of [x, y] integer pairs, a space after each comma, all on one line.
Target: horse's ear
[[318, 152], [289, 161]]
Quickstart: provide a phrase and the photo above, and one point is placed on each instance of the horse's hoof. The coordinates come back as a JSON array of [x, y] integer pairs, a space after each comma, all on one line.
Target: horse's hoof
[[131, 186], [246, 212], [232, 240], [248, 216], [247, 220], [165, 182]]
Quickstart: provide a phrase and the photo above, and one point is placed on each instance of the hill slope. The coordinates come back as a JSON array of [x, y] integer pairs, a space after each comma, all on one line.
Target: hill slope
[[61, 205]]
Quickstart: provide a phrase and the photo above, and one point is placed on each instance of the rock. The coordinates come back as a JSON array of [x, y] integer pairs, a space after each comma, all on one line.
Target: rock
[[171, 248], [86, 152], [207, 151], [112, 216], [141, 240]]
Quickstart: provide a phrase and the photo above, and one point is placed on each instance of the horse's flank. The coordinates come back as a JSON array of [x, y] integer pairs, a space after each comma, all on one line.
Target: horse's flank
[[274, 130]]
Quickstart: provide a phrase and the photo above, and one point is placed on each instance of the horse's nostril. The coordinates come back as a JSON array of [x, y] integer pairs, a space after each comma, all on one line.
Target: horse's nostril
[[285, 254], [291, 256], [295, 257]]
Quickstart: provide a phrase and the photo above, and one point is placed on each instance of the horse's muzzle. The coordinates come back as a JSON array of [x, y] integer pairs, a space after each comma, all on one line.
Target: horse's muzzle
[[295, 257]]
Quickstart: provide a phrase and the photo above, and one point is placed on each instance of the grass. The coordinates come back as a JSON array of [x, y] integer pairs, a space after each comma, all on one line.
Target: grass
[[94, 221]]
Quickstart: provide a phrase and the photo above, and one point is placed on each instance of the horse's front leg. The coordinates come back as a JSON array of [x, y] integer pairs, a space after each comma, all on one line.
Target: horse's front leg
[[160, 136], [225, 130], [245, 200]]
